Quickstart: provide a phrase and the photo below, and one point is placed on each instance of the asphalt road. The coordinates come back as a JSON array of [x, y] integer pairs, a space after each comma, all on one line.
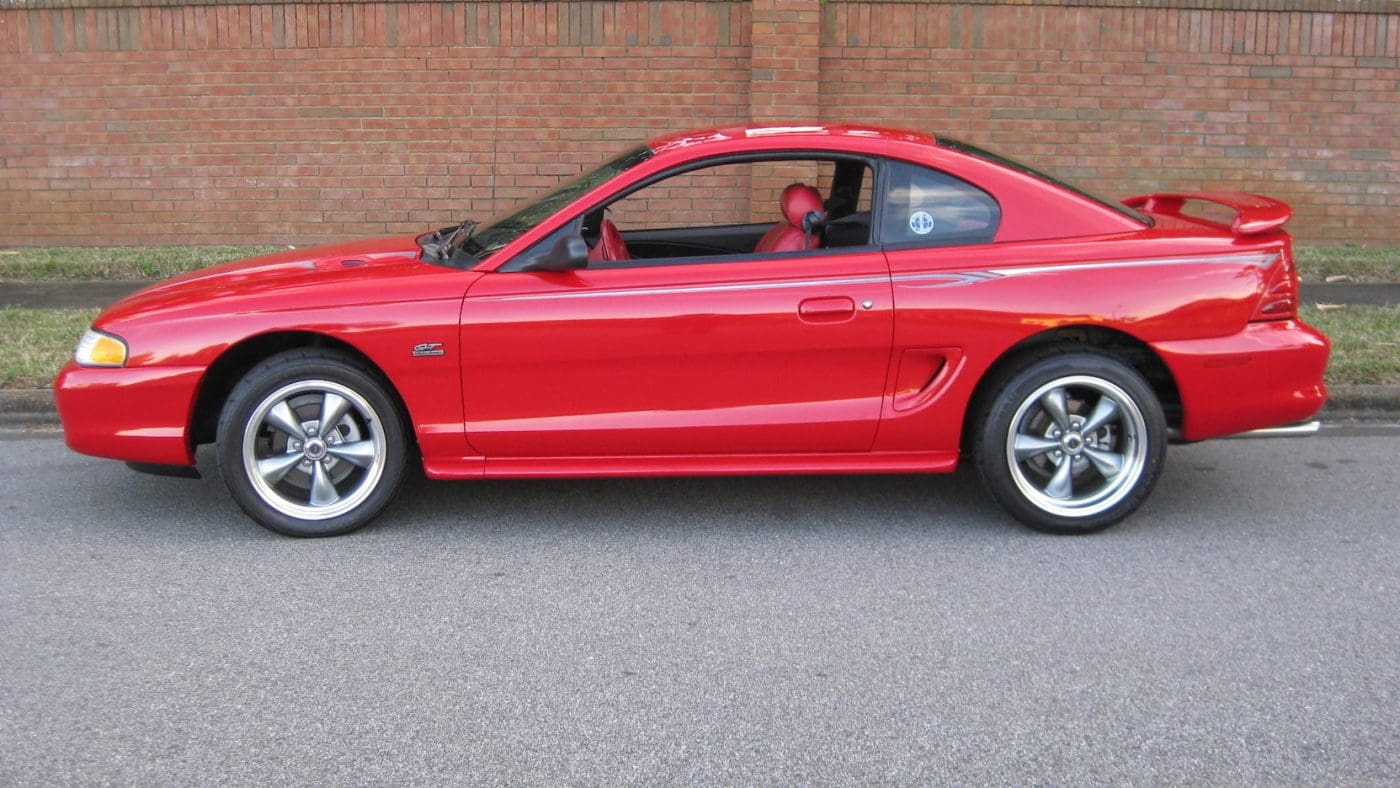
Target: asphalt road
[[1244, 627]]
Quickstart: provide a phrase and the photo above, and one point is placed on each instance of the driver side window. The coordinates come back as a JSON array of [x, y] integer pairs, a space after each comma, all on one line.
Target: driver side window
[[701, 198], [735, 210]]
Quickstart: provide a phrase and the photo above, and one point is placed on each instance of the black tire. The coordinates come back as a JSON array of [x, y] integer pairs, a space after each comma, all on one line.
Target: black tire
[[315, 483], [1021, 445]]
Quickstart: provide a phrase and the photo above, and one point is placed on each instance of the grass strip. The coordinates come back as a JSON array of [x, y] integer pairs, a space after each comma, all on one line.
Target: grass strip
[[37, 343], [1362, 264], [51, 263], [1365, 342]]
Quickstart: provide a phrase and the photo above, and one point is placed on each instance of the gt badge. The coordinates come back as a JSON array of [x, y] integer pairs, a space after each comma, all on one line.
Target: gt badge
[[428, 349]]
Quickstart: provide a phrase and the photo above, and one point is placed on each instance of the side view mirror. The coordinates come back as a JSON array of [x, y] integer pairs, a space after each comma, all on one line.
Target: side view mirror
[[568, 253]]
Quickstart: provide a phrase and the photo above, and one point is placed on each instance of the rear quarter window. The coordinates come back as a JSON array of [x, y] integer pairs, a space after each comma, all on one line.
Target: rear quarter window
[[924, 207]]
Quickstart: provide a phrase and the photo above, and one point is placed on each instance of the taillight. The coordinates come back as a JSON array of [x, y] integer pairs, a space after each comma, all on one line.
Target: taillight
[[1280, 301]]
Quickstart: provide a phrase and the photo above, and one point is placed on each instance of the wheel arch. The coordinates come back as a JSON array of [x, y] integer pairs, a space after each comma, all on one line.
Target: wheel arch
[[237, 359], [1063, 339]]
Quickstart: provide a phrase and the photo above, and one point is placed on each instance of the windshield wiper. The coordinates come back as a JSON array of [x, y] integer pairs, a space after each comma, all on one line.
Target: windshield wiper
[[460, 234], [443, 243]]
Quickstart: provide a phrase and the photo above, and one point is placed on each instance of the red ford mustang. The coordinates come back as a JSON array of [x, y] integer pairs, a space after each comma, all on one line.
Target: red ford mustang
[[823, 299]]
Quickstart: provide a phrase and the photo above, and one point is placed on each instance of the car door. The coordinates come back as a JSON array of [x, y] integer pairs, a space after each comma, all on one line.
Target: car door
[[770, 354]]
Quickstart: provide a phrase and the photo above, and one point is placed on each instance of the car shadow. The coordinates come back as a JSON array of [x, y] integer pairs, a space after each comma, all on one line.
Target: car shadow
[[201, 510], [690, 504], [952, 506]]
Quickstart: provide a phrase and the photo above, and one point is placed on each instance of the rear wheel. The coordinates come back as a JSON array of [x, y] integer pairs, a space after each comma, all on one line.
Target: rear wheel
[[1072, 443], [311, 444]]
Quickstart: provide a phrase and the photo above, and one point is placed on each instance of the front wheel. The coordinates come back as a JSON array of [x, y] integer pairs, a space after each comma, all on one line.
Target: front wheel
[[311, 444], [1072, 443]]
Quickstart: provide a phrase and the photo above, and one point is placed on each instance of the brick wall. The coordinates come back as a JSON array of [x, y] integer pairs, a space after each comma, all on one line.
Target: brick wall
[[1297, 104], [302, 122], [150, 121]]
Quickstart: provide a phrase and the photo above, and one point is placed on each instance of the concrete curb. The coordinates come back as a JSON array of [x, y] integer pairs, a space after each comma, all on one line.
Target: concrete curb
[[21, 408], [27, 408], [1362, 403]]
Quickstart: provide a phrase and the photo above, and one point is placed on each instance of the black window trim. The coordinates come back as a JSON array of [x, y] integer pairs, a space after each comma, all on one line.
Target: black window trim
[[739, 257]]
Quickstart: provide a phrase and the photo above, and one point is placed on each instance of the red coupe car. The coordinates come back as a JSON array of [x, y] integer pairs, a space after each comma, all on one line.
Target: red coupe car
[[803, 299]]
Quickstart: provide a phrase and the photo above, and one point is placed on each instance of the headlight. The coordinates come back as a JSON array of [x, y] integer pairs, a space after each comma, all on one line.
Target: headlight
[[97, 349]]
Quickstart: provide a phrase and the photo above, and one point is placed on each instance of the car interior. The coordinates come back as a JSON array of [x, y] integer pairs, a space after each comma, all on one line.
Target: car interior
[[805, 220]]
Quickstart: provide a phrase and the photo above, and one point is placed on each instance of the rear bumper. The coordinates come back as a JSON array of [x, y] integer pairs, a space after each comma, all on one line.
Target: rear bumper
[[138, 414], [1268, 375]]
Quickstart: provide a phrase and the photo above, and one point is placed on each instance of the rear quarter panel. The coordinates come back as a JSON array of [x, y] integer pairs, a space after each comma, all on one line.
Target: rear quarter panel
[[984, 300]]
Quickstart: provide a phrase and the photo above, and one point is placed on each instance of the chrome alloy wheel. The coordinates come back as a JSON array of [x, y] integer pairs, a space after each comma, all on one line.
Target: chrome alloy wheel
[[1076, 446], [314, 449]]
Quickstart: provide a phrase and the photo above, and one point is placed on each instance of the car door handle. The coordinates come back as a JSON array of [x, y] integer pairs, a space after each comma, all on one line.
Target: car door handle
[[826, 310]]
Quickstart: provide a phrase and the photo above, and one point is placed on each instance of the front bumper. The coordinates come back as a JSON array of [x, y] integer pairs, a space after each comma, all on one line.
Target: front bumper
[[1268, 375], [137, 414]]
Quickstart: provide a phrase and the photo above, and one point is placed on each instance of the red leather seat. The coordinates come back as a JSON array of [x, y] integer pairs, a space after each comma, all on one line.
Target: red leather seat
[[801, 225], [610, 245]]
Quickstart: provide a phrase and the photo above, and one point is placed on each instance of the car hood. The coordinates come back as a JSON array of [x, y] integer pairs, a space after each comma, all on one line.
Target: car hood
[[293, 264], [357, 272]]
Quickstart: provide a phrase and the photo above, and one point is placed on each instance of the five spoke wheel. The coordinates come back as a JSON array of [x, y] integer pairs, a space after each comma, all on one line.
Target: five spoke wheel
[[1072, 443], [311, 443], [314, 449]]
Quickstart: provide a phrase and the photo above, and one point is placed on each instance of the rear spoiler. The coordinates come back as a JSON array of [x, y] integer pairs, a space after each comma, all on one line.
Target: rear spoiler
[[1254, 214]]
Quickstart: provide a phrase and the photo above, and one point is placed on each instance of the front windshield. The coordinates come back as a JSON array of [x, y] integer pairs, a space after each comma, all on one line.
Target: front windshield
[[997, 158], [506, 227]]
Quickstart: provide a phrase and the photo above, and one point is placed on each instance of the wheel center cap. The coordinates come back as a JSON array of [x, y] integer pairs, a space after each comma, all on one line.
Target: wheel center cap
[[315, 449], [1072, 443]]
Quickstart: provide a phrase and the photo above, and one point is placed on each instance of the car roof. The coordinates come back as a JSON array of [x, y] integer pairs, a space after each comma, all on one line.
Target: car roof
[[1030, 200], [794, 131]]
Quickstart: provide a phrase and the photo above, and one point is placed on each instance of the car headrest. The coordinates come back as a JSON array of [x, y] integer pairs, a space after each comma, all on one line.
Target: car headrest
[[799, 201]]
